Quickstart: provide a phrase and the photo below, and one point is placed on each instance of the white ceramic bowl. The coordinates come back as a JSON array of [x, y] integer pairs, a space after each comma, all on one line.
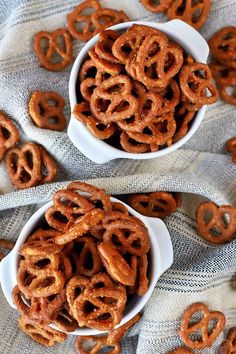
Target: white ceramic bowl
[[98, 150], [161, 258]]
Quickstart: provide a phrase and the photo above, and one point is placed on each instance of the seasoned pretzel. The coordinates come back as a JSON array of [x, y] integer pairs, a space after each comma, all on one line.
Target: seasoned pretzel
[[89, 220], [49, 262], [127, 236], [228, 346], [88, 70], [225, 94], [181, 350], [58, 218], [42, 334], [196, 84], [207, 339], [77, 17], [159, 131], [45, 108], [97, 343], [103, 46], [156, 6], [83, 113], [87, 87], [231, 147], [114, 92], [223, 46], [64, 51], [100, 308], [104, 64], [116, 265], [6, 244], [71, 203], [41, 243], [156, 204], [39, 282], [117, 334], [194, 13], [213, 223], [96, 194], [75, 287], [49, 167], [154, 54], [89, 261], [9, 135], [24, 165]]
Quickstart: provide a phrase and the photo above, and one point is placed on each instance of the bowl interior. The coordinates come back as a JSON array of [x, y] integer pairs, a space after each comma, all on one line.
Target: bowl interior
[[77, 129], [135, 303]]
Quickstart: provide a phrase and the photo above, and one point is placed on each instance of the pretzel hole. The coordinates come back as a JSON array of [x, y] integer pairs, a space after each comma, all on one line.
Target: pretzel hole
[[115, 240], [5, 132], [122, 106], [126, 48], [14, 161], [25, 176], [162, 127], [211, 325], [130, 120], [101, 127], [88, 263], [53, 120], [42, 263], [169, 62], [147, 131], [77, 291], [225, 219], [116, 88], [231, 91], [103, 105], [105, 19], [99, 285], [88, 307], [91, 72], [151, 71], [224, 47], [28, 278], [104, 317], [158, 208], [82, 26], [108, 300], [154, 49], [30, 159], [136, 243], [44, 45], [180, 10], [57, 215], [47, 282]]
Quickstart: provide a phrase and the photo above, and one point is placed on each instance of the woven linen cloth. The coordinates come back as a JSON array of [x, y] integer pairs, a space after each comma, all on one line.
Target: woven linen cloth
[[201, 169]]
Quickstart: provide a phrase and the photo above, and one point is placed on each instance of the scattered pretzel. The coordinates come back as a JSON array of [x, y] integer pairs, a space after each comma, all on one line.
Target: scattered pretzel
[[64, 50], [194, 13], [231, 147], [224, 90], [156, 204], [97, 343], [207, 339], [45, 108], [223, 46], [212, 222], [9, 135], [196, 84]]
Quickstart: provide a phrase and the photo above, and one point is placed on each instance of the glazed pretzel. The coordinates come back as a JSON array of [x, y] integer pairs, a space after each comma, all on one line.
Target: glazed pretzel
[[6, 244], [156, 6], [117, 91], [47, 58], [231, 147], [24, 165], [207, 338], [229, 345], [214, 227], [98, 344], [42, 334], [153, 55], [156, 204], [39, 282], [9, 135], [45, 114], [223, 46], [194, 13], [196, 84], [77, 16]]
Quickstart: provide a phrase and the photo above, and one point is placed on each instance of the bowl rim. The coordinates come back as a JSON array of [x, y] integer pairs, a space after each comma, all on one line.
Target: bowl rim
[[108, 150], [155, 253]]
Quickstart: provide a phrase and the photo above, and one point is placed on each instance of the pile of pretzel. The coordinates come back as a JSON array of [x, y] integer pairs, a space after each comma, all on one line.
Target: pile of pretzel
[[80, 268], [140, 91], [195, 13]]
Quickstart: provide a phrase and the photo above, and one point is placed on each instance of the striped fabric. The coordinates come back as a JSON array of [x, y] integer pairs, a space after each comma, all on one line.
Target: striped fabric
[[201, 169]]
